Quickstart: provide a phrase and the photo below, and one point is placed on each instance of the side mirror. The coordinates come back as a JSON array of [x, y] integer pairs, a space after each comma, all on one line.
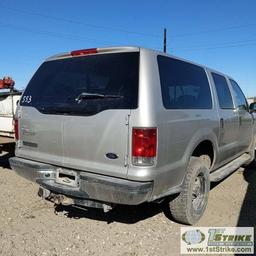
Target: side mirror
[[252, 107]]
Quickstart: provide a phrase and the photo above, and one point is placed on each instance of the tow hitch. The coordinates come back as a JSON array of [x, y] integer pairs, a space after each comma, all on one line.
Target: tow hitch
[[64, 200]]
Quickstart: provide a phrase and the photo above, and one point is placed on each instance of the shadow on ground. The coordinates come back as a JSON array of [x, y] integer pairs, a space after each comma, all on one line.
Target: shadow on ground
[[122, 214], [8, 151], [247, 217]]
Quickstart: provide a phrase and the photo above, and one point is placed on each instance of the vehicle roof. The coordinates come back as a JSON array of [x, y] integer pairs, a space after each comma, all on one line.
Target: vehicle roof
[[136, 48]]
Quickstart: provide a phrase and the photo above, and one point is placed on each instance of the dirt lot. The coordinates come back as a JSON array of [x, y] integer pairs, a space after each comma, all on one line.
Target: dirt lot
[[32, 226]]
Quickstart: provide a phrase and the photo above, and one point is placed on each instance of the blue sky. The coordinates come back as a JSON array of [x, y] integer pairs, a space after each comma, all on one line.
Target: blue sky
[[218, 34]]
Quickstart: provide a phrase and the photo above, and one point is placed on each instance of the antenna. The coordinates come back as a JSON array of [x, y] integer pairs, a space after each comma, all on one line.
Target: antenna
[[165, 40]]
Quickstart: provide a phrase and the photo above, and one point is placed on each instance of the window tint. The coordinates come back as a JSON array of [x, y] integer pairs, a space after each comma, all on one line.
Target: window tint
[[223, 92], [240, 98], [57, 84], [184, 85]]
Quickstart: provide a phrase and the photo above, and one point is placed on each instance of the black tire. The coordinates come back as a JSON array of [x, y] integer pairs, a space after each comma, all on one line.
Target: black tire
[[189, 206]]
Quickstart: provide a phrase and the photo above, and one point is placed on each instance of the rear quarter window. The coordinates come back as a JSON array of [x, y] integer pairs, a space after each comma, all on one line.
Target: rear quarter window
[[241, 101], [183, 85], [223, 91]]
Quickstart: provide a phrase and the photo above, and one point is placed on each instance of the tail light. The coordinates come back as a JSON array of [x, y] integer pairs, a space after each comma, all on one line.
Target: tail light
[[144, 144], [16, 128]]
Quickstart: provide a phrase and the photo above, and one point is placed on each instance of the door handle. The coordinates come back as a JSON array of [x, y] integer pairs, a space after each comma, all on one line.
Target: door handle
[[222, 123]]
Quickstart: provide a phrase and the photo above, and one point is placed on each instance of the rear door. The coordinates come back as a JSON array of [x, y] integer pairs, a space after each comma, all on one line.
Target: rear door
[[229, 121], [245, 118], [77, 109]]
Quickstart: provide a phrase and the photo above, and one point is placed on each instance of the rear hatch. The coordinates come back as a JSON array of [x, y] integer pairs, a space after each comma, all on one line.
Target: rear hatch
[[74, 112]]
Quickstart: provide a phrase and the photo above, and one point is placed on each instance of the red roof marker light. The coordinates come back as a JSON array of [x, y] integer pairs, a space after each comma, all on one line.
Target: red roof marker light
[[84, 52]]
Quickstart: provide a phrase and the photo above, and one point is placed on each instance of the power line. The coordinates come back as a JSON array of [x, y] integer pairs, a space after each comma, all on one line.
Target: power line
[[216, 30], [221, 47], [75, 37], [215, 45], [48, 33], [78, 22]]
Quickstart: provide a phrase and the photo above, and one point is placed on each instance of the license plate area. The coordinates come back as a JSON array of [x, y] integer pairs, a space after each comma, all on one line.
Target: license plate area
[[67, 177]]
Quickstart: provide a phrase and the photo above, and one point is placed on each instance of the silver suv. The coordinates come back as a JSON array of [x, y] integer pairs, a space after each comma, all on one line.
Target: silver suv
[[128, 125]]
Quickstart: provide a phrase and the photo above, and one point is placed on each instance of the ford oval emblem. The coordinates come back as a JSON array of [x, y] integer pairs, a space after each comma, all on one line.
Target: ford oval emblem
[[111, 156]]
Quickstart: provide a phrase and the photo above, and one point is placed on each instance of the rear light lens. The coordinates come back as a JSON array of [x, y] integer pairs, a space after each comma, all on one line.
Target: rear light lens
[[16, 128], [84, 52], [144, 144]]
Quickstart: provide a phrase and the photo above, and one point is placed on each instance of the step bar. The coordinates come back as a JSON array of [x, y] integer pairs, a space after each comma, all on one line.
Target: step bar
[[224, 171]]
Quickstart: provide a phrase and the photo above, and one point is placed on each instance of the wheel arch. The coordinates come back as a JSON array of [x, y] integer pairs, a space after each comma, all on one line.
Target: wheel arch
[[197, 144]]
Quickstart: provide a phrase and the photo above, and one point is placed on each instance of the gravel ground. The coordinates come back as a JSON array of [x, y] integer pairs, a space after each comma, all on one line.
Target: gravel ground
[[32, 226]]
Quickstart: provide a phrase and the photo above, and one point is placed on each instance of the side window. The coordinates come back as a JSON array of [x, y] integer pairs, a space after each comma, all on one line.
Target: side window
[[183, 85], [240, 98], [223, 92]]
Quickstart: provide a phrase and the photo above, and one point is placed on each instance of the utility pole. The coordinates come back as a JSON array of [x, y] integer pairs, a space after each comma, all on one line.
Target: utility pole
[[165, 40]]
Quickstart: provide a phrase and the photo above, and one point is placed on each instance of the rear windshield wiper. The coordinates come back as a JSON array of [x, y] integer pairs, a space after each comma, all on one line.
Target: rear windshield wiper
[[92, 96]]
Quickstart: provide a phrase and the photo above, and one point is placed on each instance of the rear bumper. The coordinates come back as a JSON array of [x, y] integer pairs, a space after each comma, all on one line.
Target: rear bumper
[[91, 186]]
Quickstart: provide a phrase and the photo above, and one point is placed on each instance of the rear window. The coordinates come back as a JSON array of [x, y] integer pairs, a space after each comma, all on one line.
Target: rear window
[[109, 81], [184, 85]]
